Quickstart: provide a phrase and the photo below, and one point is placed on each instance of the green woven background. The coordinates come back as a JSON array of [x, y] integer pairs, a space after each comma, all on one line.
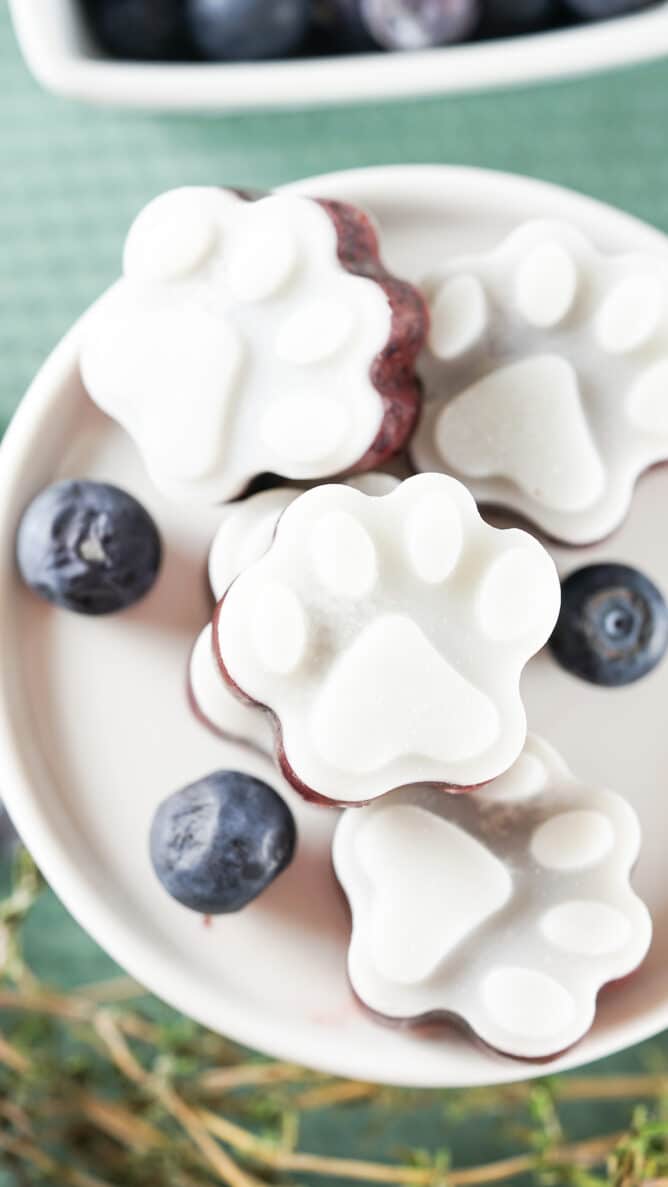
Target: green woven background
[[71, 178]]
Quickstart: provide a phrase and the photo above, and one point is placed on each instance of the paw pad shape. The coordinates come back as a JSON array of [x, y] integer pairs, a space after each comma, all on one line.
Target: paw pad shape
[[387, 636], [254, 336], [245, 533], [546, 378], [507, 909]]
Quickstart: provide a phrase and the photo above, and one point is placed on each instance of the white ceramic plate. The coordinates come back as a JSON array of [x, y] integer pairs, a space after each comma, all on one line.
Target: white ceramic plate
[[60, 54], [95, 729]]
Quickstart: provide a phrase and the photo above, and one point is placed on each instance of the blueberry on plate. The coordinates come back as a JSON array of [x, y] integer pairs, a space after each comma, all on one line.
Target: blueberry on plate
[[144, 30], [418, 24], [613, 625], [88, 547], [247, 29], [218, 843], [598, 10]]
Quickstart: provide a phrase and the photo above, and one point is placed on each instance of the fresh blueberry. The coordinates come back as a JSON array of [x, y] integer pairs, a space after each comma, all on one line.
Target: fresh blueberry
[[597, 10], [139, 29], [88, 547], [613, 625], [247, 29], [217, 844], [417, 24], [504, 18], [340, 22]]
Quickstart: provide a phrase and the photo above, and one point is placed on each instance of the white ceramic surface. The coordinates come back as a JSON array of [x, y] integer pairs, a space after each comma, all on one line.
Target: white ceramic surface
[[454, 901], [60, 54], [95, 728]]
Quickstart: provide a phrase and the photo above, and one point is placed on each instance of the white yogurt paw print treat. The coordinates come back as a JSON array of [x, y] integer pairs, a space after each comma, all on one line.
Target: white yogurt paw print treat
[[245, 533], [546, 377], [507, 909], [387, 636], [252, 336], [217, 706], [247, 528]]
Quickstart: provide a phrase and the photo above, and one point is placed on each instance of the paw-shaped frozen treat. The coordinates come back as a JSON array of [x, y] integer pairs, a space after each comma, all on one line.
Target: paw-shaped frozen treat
[[246, 531], [217, 706], [254, 336], [546, 376], [388, 636], [507, 909], [247, 527]]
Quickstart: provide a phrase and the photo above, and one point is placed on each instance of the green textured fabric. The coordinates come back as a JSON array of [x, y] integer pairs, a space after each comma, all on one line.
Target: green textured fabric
[[61, 953], [72, 177]]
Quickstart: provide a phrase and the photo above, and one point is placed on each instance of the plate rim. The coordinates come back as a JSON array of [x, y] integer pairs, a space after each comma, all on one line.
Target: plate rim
[[92, 912]]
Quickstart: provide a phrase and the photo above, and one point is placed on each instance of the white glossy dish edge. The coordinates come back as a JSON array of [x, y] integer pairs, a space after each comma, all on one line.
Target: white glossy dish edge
[[462, 1064], [60, 56]]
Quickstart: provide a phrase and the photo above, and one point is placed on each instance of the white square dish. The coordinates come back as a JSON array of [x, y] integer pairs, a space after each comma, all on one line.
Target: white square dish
[[62, 57]]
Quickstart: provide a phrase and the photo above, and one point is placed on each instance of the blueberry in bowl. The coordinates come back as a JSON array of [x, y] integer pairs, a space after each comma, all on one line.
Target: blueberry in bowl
[[613, 625], [88, 547], [598, 10], [419, 24], [247, 29], [507, 18], [338, 27], [218, 843], [253, 30], [140, 30]]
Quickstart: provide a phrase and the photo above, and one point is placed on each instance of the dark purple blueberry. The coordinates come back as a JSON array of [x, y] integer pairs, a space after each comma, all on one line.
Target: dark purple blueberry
[[217, 844], [88, 547], [417, 24], [597, 10], [505, 18], [613, 625], [247, 29], [140, 29], [340, 23]]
